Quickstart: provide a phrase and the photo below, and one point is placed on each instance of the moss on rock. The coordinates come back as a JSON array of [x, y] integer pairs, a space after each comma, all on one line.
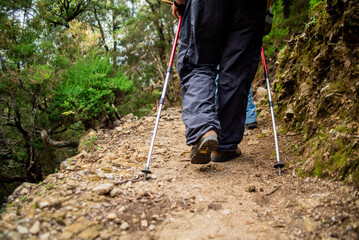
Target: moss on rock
[[319, 83]]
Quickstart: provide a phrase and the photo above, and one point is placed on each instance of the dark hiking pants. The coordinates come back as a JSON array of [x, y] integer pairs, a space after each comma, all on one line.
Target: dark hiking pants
[[227, 33]]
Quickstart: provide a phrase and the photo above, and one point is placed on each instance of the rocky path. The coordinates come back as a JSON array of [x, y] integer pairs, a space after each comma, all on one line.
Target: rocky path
[[100, 193]]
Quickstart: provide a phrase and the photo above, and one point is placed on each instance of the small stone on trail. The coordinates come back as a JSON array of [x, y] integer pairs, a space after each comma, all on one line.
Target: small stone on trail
[[349, 228], [111, 216], [144, 223], [122, 209], [140, 174], [71, 168], [152, 227], [214, 206], [311, 225], [22, 230], [64, 165], [265, 131], [89, 233], [124, 226], [103, 188], [13, 235], [45, 236], [226, 211], [35, 229], [128, 184], [251, 189], [253, 142], [43, 204], [114, 192]]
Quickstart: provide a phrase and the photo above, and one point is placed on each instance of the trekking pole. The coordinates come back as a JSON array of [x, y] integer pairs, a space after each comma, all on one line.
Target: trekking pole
[[278, 165], [162, 100]]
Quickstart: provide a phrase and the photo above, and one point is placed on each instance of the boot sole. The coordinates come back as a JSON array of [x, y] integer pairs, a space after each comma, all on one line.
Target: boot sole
[[227, 158], [202, 154]]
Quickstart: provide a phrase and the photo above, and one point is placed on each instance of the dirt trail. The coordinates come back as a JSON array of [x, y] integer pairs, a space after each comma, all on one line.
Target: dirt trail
[[241, 199]]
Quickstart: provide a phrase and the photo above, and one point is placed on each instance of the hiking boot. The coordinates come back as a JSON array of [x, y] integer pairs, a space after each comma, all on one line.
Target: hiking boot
[[252, 125], [201, 152], [224, 156]]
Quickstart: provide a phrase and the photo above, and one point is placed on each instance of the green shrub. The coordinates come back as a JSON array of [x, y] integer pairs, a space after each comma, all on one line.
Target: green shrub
[[90, 88]]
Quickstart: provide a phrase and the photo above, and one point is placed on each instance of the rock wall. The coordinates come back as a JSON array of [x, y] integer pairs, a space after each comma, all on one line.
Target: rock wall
[[317, 80]]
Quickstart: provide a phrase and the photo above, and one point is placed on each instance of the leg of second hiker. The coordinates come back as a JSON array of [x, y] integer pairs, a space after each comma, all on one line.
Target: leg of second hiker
[[251, 114]]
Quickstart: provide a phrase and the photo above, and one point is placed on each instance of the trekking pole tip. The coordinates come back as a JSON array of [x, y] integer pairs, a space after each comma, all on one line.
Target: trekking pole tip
[[146, 171], [279, 166]]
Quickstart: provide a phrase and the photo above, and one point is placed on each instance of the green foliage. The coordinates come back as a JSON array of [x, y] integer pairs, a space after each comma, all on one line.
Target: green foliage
[[38, 68], [282, 28], [49, 186], [313, 3], [89, 90], [315, 12], [61, 12], [90, 144], [140, 103]]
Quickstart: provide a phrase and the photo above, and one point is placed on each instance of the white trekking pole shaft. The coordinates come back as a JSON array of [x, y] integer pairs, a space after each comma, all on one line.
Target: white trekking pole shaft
[[162, 100], [278, 165]]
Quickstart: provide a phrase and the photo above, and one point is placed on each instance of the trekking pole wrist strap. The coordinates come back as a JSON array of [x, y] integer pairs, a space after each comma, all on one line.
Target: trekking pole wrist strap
[[180, 8], [176, 4]]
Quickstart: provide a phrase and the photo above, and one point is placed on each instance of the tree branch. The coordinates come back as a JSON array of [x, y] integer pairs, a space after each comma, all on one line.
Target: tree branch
[[9, 148], [59, 144], [7, 179], [103, 39]]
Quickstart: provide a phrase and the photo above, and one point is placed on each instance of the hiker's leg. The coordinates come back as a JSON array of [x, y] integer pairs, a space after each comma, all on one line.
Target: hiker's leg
[[198, 58], [238, 66]]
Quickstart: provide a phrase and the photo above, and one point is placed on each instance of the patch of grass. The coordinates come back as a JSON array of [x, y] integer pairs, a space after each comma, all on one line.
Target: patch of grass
[[90, 145], [49, 186], [318, 169], [261, 135]]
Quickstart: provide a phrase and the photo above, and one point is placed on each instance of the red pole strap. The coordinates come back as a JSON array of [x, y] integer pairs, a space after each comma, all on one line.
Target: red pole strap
[[264, 61], [175, 43]]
